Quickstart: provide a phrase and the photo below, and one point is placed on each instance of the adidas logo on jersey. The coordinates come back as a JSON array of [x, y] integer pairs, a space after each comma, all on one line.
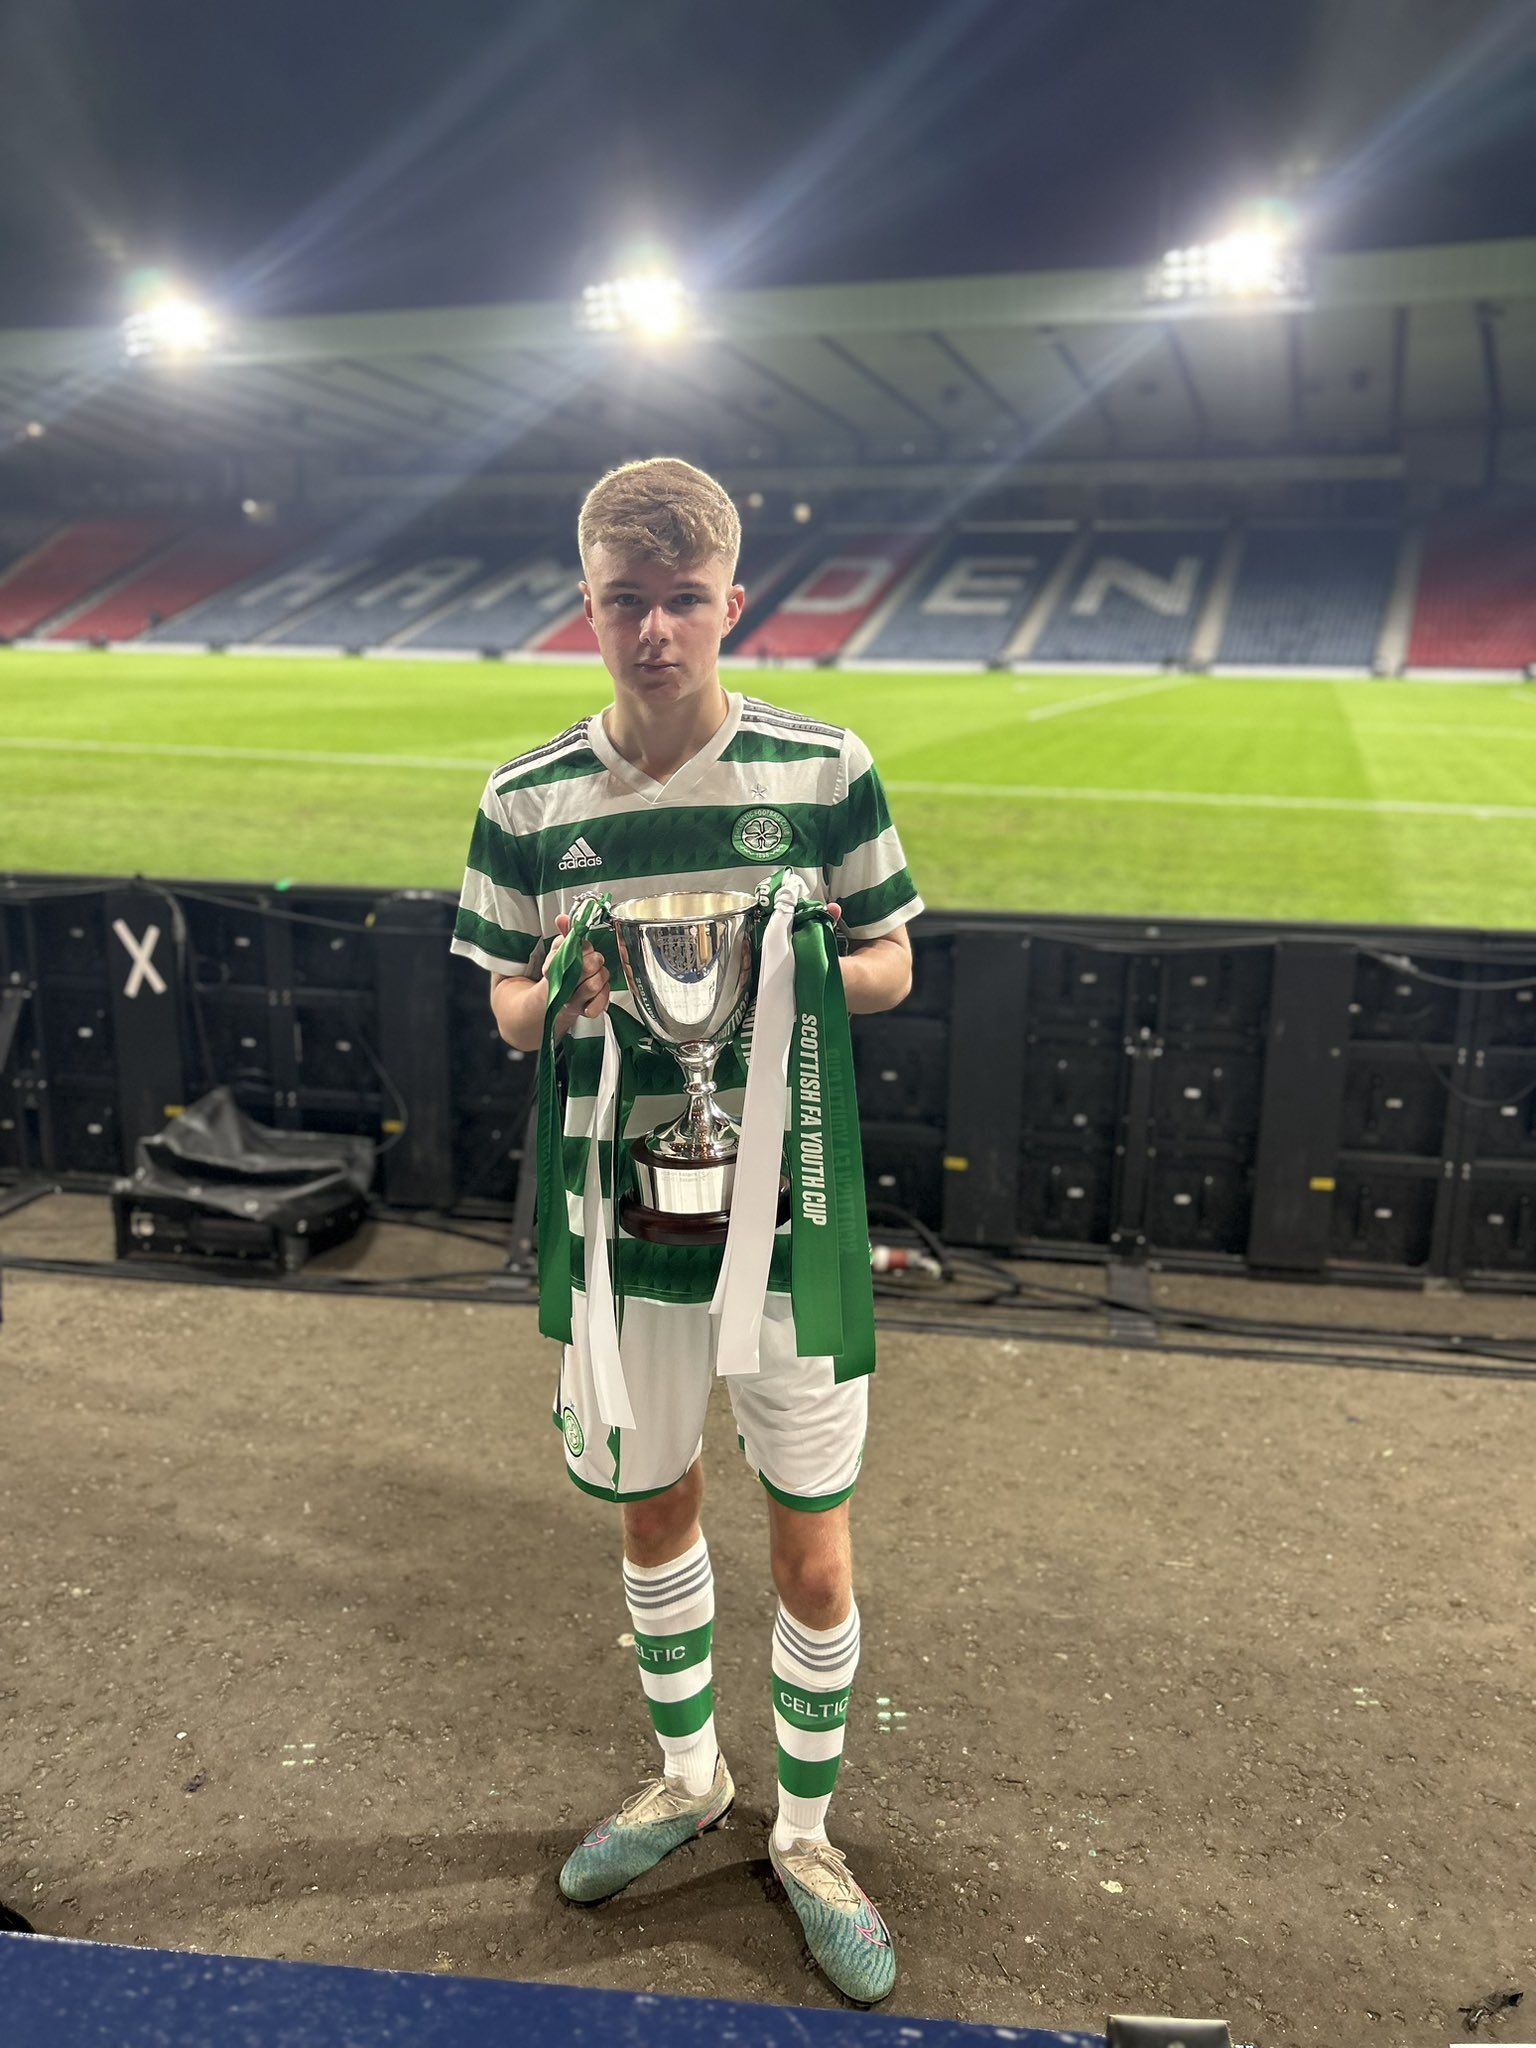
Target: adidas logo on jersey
[[579, 856]]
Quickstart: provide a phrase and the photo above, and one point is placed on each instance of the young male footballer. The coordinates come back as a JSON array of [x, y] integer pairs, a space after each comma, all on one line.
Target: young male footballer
[[680, 784]]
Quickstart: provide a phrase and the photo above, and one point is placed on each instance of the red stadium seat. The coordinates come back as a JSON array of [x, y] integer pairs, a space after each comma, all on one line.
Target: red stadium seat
[[65, 570], [1477, 594], [834, 597], [189, 572]]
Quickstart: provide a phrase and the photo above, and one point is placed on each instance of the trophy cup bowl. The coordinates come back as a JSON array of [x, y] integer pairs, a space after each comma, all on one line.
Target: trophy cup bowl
[[688, 959]]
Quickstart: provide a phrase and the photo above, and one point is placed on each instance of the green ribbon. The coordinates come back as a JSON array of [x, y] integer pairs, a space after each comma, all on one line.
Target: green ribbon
[[833, 1294], [562, 975]]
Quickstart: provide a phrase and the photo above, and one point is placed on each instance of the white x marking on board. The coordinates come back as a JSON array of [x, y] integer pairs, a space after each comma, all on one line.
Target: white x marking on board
[[143, 967]]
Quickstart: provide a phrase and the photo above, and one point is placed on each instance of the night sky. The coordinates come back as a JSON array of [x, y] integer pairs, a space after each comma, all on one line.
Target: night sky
[[294, 156]]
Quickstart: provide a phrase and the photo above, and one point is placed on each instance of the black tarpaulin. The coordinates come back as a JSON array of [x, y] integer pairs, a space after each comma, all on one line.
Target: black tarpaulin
[[215, 1155]]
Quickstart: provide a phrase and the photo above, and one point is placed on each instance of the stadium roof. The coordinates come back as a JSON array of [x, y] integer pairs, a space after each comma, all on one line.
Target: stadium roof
[[1060, 366]]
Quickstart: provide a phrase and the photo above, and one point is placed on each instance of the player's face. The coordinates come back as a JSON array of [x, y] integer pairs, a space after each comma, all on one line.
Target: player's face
[[660, 629]]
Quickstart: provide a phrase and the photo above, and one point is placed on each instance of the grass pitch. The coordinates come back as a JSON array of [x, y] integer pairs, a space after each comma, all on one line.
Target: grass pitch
[[1288, 798]]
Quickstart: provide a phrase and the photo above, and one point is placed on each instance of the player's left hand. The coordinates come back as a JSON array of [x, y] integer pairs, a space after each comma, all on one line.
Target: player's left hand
[[592, 993]]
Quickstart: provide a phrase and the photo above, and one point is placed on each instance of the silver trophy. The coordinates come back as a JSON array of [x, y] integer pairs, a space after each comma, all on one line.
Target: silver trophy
[[688, 959]]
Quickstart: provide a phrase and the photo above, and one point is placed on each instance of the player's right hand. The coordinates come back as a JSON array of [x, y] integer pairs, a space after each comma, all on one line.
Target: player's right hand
[[593, 990]]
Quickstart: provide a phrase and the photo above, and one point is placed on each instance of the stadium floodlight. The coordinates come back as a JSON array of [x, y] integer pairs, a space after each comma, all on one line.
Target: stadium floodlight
[[171, 325], [651, 305], [801, 514], [34, 430], [1256, 263]]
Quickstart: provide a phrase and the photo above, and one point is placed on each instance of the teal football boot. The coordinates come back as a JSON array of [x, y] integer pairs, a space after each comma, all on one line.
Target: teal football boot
[[659, 1818], [843, 1930]]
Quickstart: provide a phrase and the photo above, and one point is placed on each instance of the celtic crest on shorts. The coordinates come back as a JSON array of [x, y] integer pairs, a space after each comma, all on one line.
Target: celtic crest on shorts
[[575, 1442], [762, 834]]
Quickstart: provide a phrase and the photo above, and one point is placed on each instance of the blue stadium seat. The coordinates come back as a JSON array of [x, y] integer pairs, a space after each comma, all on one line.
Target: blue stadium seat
[[528, 591], [1136, 597], [1311, 595], [263, 601], [407, 587], [969, 603]]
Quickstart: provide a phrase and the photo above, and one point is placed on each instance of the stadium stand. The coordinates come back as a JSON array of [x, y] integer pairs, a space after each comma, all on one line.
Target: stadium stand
[[1476, 604], [930, 511], [969, 603], [527, 590], [828, 605], [253, 608], [64, 571], [18, 537], [405, 588], [570, 633], [188, 573], [1313, 595], [765, 562], [1304, 595], [1137, 596]]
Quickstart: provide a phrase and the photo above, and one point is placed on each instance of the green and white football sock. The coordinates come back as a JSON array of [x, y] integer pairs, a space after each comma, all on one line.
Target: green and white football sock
[[673, 1609], [812, 1679]]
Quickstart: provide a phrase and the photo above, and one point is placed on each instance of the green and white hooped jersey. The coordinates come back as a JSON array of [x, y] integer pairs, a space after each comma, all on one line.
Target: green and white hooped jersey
[[771, 789]]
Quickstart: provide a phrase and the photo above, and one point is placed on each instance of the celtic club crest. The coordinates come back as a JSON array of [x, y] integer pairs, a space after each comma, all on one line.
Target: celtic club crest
[[575, 1442], [762, 834]]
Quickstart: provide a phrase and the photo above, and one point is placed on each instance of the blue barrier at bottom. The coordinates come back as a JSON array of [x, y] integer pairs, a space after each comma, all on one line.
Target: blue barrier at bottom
[[85, 1994]]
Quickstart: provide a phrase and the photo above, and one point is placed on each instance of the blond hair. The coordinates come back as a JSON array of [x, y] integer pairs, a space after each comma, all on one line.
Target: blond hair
[[664, 510]]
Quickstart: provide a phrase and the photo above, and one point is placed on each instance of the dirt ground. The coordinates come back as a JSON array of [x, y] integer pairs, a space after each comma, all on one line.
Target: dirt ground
[[1188, 1685]]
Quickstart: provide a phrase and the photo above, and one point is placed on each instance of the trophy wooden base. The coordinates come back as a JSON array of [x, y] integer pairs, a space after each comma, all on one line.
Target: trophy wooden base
[[666, 1226]]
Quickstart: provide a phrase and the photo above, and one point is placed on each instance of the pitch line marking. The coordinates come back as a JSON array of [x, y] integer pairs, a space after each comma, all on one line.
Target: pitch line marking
[[169, 748], [1067, 705], [1382, 729], [1178, 798], [326, 759], [1023, 791]]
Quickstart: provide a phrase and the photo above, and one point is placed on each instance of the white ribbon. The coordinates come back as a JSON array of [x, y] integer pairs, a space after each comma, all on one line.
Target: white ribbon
[[743, 1284], [601, 1324]]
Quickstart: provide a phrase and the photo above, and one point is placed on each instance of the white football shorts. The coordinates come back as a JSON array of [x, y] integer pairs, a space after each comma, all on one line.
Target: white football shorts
[[802, 1433]]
